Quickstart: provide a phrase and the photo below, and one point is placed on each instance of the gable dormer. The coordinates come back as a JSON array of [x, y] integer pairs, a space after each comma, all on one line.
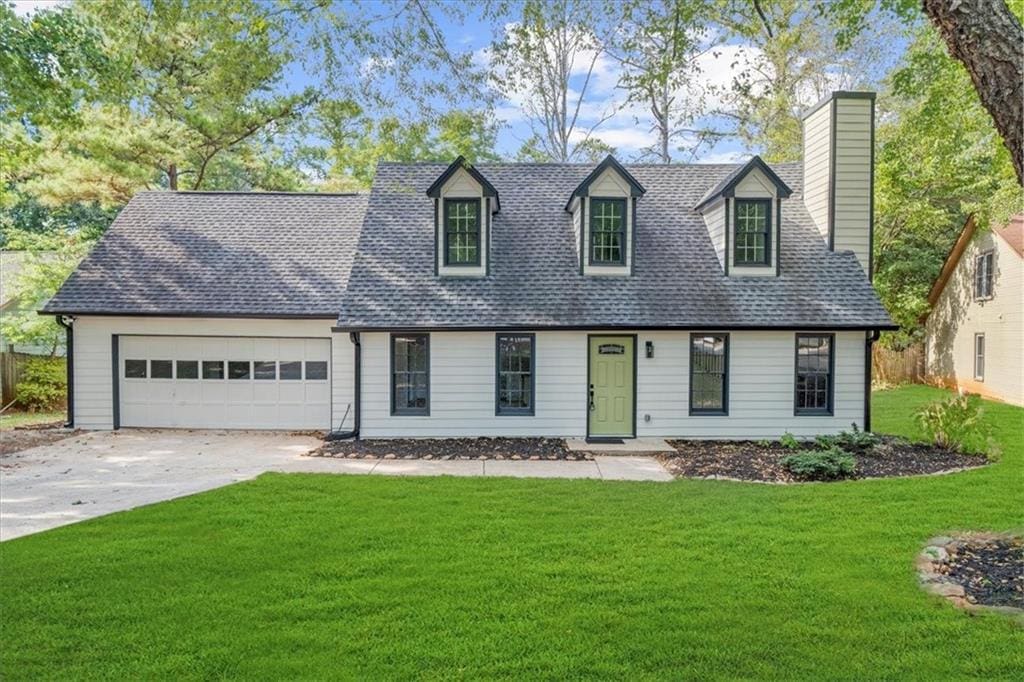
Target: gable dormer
[[603, 209], [743, 216], [464, 202]]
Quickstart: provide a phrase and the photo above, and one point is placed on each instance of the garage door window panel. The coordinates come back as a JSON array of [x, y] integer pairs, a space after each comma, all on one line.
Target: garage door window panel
[[316, 370], [134, 369], [265, 370], [291, 370], [187, 369], [239, 370], [213, 369], [161, 369]]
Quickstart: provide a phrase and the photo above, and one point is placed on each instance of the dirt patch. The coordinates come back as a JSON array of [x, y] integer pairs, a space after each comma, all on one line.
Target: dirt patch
[[976, 570], [25, 437], [451, 448], [762, 461]]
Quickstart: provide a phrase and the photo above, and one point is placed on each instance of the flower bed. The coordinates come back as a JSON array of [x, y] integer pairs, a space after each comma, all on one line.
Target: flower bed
[[452, 448], [977, 570], [763, 461]]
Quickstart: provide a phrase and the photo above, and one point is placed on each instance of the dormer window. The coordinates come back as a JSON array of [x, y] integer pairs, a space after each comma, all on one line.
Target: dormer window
[[607, 231], [462, 232], [753, 232], [464, 203]]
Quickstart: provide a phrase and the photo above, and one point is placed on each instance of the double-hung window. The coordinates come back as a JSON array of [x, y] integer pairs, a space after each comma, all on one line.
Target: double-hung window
[[607, 231], [752, 232], [983, 275], [979, 357], [515, 374], [410, 374], [709, 374], [462, 232], [814, 370]]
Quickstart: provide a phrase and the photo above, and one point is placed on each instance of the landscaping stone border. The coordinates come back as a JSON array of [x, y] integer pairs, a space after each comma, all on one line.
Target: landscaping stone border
[[933, 570], [446, 449]]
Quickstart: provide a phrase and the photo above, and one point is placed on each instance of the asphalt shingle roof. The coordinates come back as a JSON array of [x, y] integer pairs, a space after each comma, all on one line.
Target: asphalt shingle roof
[[231, 253], [535, 280], [314, 255]]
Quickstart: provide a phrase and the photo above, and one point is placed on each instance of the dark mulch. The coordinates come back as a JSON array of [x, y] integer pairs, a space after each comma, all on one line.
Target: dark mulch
[[762, 461], [451, 448], [990, 571]]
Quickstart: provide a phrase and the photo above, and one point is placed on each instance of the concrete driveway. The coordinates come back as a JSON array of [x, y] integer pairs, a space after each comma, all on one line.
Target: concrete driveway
[[108, 471]]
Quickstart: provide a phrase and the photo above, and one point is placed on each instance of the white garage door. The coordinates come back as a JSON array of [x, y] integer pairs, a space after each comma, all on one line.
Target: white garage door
[[224, 382]]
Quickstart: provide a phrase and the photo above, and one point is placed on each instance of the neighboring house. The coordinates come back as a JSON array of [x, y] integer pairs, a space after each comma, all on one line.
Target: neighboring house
[[701, 301], [11, 265], [975, 328]]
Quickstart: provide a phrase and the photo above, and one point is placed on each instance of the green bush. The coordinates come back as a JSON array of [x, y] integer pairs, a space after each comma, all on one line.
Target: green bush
[[789, 441], [819, 465], [855, 439], [43, 384], [955, 424]]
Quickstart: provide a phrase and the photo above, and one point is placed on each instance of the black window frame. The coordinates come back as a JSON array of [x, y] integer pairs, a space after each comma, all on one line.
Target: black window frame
[[767, 203], [984, 275], [622, 232], [979, 376], [445, 212], [515, 411], [831, 389], [397, 411], [706, 411]]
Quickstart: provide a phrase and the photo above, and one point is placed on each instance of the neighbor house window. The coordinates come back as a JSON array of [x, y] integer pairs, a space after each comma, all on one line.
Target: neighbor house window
[[462, 232], [752, 232], [515, 374], [814, 365], [608, 231], [709, 374], [979, 357], [410, 374], [983, 275]]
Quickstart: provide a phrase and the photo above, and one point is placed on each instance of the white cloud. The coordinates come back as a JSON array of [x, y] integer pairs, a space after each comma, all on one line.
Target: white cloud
[[23, 8], [734, 156]]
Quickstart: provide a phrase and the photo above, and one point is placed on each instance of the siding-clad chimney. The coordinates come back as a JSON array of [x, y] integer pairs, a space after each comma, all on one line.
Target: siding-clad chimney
[[839, 140]]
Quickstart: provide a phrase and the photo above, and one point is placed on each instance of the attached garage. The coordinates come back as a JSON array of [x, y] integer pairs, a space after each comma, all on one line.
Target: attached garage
[[223, 382]]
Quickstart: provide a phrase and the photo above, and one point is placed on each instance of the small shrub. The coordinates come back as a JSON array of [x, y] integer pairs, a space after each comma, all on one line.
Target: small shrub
[[819, 465], [789, 441], [955, 424], [855, 439], [43, 384]]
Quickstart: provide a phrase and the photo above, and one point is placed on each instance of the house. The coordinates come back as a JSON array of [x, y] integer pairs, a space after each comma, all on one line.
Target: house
[[505, 299], [974, 332]]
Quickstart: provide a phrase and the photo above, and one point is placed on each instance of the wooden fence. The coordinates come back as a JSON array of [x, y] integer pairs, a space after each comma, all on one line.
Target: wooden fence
[[11, 366], [897, 366]]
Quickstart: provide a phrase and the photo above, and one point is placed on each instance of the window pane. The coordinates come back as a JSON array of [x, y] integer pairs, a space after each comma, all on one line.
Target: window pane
[[607, 230], [135, 369], [291, 370], [188, 369], [213, 369], [265, 369], [410, 390], [751, 232], [813, 380], [161, 369], [515, 377], [316, 370], [708, 373], [462, 231], [239, 369]]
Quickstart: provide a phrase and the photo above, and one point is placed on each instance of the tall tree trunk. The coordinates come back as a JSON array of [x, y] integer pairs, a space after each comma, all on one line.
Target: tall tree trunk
[[172, 176], [986, 37]]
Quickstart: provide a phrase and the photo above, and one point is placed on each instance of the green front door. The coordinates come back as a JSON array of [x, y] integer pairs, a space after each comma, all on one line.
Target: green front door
[[611, 387]]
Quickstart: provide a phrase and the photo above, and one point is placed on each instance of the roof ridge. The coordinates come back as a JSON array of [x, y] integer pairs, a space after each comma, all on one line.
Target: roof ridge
[[257, 193]]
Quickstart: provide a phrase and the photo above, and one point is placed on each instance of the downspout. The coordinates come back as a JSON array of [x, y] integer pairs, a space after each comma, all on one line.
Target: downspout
[[871, 338], [357, 392], [70, 359]]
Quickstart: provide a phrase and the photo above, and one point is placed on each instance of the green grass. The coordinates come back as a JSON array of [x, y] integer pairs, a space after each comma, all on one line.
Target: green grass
[[11, 419], [318, 576]]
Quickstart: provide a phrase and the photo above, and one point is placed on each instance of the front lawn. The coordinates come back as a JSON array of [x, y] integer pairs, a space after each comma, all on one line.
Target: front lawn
[[317, 576]]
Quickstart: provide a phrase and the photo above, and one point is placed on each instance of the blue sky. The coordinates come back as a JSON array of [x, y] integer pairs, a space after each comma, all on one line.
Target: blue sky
[[629, 129]]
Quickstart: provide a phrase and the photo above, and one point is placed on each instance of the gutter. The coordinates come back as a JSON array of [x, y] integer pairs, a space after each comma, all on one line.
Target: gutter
[[358, 390], [66, 322], [869, 342]]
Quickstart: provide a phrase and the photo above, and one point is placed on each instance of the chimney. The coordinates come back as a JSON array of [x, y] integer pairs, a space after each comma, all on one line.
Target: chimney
[[839, 159]]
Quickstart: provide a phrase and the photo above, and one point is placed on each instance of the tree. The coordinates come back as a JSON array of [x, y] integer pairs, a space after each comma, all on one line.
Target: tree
[[938, 160], [658, 45], [547, 61]]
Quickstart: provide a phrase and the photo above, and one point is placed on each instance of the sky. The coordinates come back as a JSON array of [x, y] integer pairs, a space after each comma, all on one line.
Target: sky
[[629, 128]]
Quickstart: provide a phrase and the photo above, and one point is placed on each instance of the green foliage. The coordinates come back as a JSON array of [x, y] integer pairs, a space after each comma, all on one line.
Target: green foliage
[[789, 441], [820, 465], [939, 159], [956, 423], [43, 384]]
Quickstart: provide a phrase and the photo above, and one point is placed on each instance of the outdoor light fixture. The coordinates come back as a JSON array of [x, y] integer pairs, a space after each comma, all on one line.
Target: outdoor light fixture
[[650, 349]]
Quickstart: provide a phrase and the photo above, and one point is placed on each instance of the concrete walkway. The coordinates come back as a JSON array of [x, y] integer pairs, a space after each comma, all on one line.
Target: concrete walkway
[[103, 472]]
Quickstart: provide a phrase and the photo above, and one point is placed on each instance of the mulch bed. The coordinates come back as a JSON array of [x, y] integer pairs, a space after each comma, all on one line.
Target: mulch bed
[[25, 437], [760, 461], [976, 571], [451, 448]]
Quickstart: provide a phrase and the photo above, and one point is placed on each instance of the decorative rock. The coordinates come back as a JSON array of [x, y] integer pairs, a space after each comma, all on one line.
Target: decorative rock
[[428, 457], [534, 457], [499, 457], [390, 455], [515, 457], [938, 554], [946, 589], [941, 540]]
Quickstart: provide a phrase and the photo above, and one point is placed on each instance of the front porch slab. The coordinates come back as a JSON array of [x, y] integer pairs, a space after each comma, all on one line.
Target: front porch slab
[[628, 446]]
